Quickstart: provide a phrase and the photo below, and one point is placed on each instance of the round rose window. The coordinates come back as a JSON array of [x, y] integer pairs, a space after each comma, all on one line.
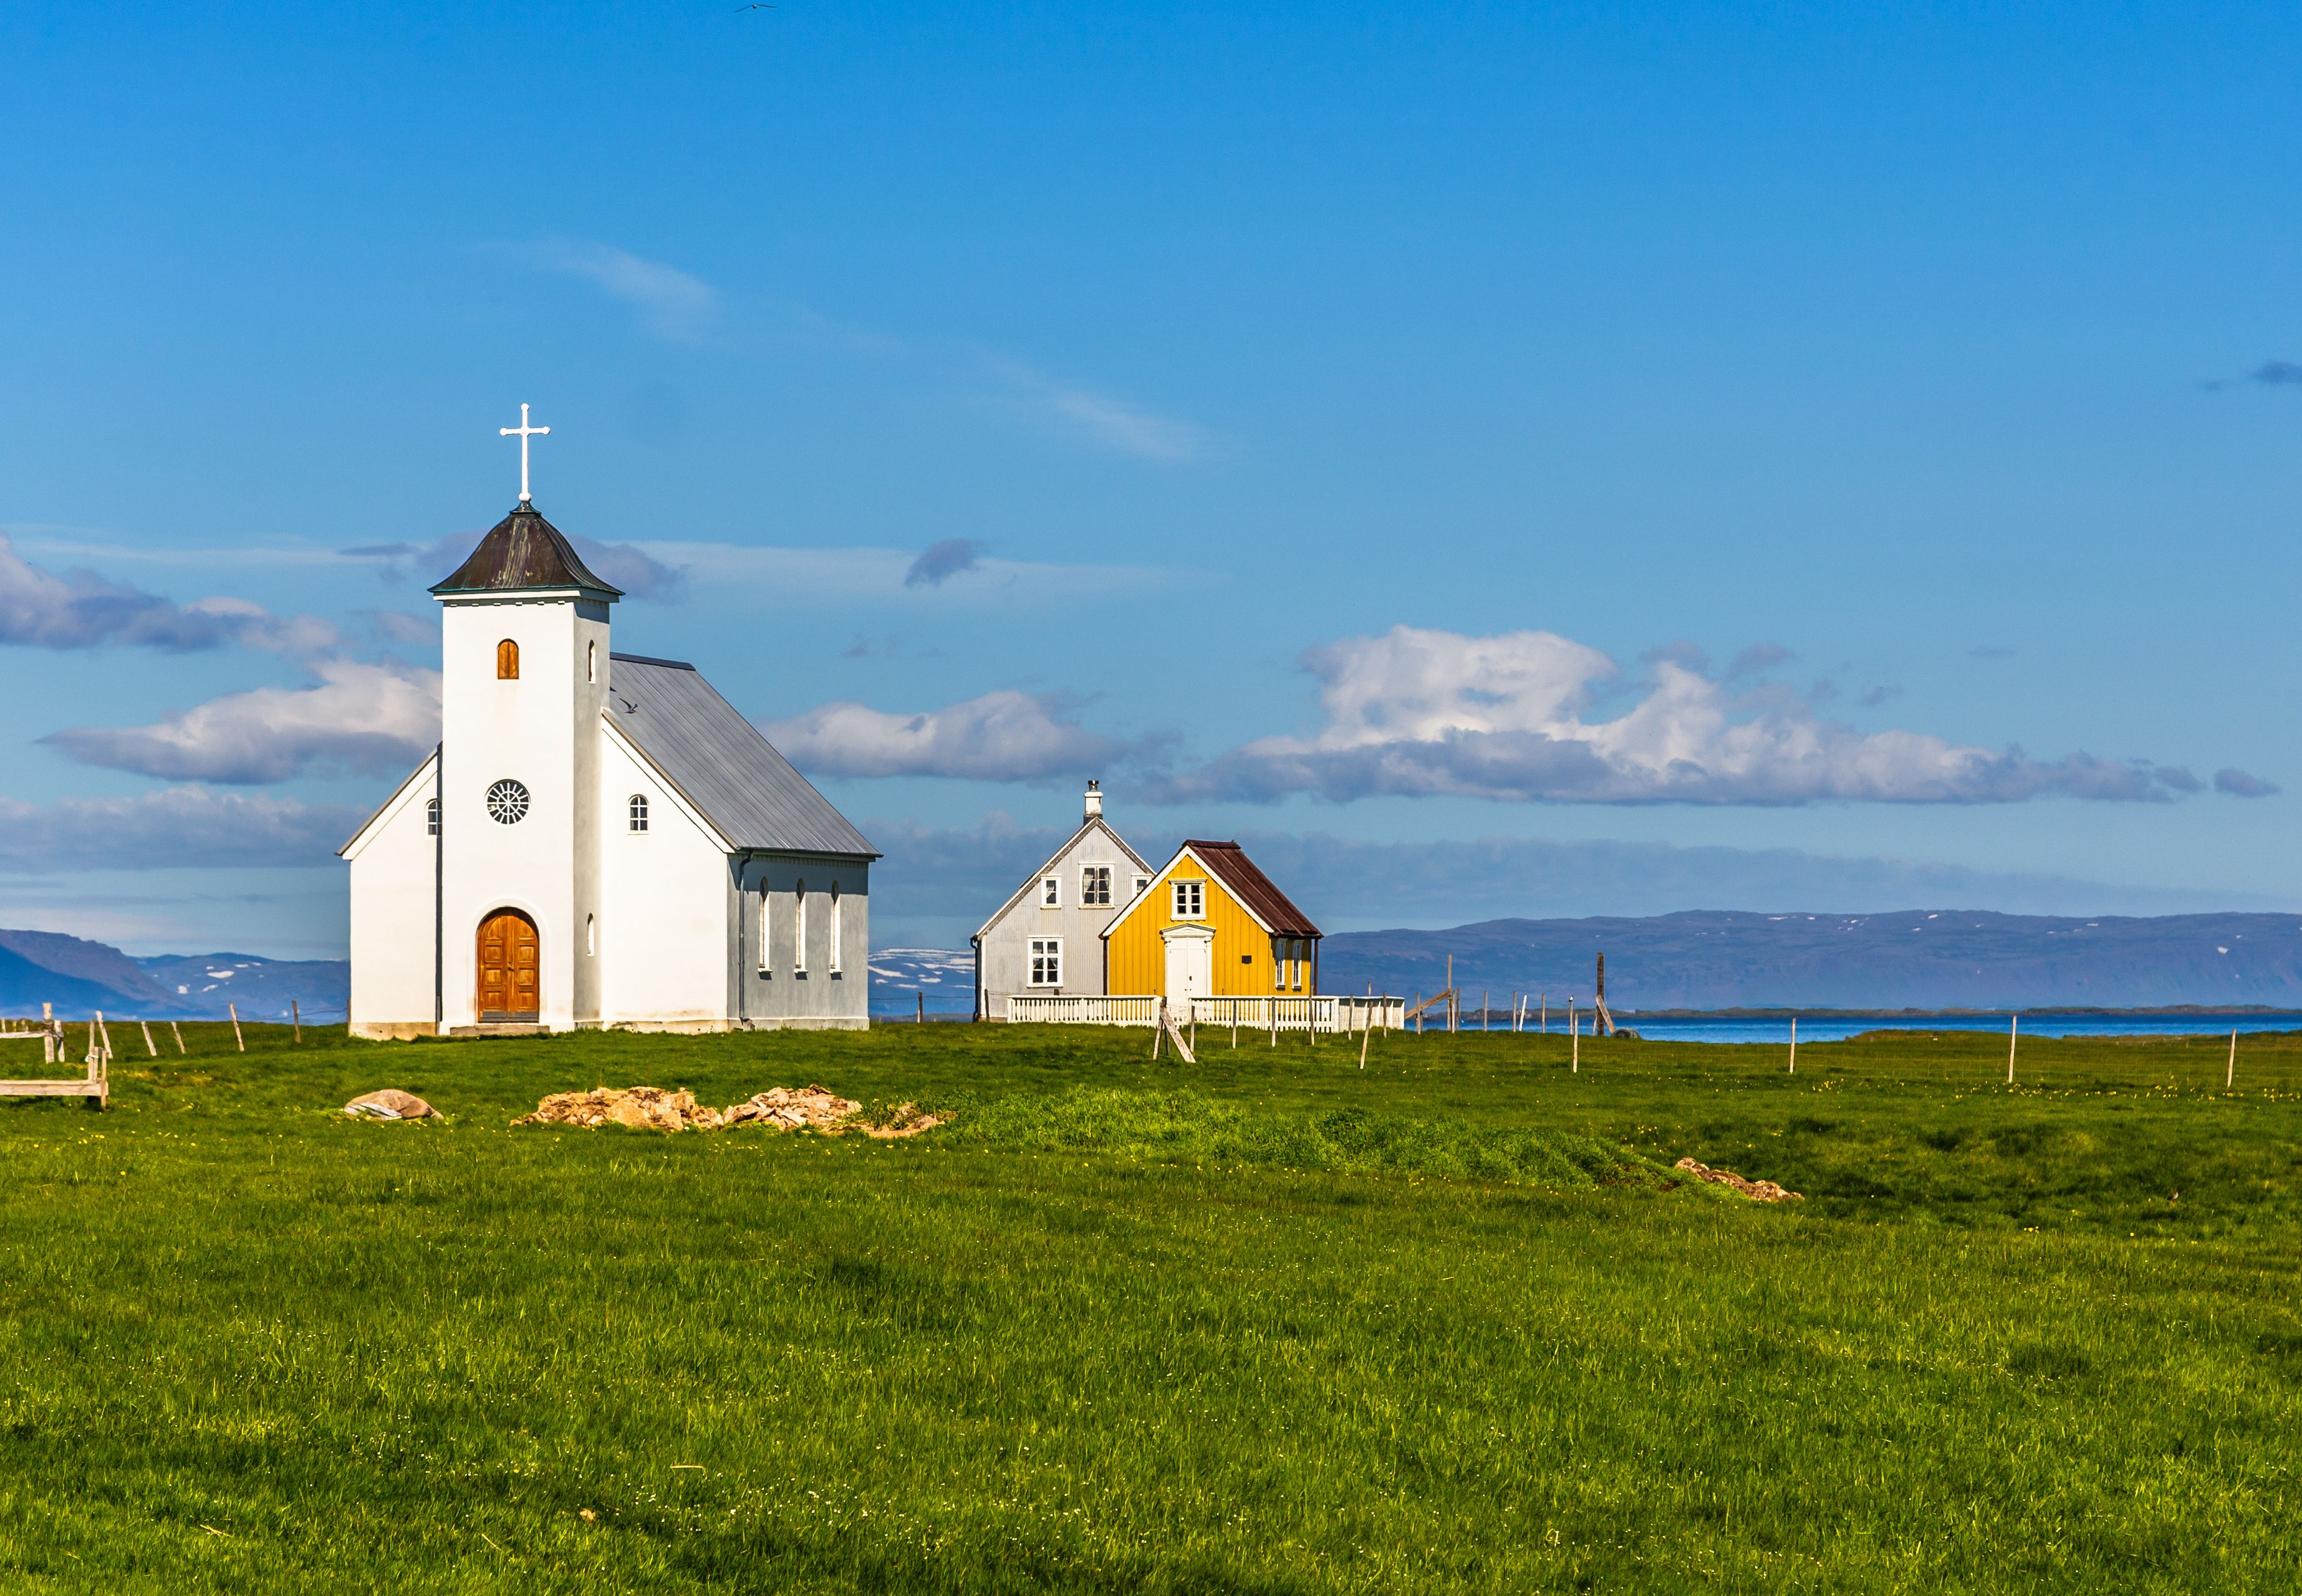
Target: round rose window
[[506, 802]]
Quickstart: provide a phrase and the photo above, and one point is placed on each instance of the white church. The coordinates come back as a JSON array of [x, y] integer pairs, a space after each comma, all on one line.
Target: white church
[[599, 839]]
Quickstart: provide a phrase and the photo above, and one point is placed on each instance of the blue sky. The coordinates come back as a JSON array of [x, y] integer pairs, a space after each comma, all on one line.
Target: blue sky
[[1805, 461]]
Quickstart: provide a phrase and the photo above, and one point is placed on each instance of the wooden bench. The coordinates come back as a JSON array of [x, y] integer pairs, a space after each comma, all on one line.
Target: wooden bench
[[96, 1086]]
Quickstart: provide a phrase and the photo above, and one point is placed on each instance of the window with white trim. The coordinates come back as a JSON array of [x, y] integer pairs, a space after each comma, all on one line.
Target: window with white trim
[[1046, 961], [1190, 899], [1051, 892], [832, 963], [767, 923], [1095, 886], [1142, 884], [590, 935], [799, 929], [431, 817], [590, 662], [638, 810]]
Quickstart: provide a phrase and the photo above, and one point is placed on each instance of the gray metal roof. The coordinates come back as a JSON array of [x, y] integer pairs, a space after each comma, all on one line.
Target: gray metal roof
[[720, 763]]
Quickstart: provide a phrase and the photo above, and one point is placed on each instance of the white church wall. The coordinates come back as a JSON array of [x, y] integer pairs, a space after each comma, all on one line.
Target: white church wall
[[664, 928], [818, 991], [539, 730], [395, 883]]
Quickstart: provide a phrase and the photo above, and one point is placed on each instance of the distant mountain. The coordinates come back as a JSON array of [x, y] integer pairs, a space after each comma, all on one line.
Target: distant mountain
[[1916, 958], [79, 976], [1912, 959], [899, 975], [262, 988]]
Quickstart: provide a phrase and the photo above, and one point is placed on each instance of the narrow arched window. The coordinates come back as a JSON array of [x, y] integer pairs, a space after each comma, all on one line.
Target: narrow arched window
[[768, 954], [507, 660], [799, 929], [832, 963], [432, 817], [639, 811], [590, 662], [590, 935]]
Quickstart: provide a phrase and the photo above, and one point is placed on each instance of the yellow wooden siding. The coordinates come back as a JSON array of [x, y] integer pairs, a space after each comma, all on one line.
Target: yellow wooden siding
[[1138, 954]]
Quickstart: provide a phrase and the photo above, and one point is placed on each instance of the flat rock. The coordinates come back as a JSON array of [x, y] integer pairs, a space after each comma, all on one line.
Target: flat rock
[[390, 1104]]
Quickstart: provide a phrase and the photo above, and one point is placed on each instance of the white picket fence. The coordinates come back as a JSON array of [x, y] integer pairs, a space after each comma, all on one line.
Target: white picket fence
[[1329, 1014]]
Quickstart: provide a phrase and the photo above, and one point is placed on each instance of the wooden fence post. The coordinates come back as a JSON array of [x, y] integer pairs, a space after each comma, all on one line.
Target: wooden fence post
[[296, 1017], [178, 1032], [149, 1047], [1793, 1043], [48, 1029], [1574, 1028], [235, 1025], [2229, 1071], [2013, 1031]]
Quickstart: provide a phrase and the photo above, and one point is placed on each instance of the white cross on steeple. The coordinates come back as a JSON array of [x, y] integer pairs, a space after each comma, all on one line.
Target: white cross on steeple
[[523, 432]]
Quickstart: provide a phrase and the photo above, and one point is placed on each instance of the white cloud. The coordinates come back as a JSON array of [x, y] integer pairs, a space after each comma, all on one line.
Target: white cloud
[[1000, 737], [673, 304], [1419, 712], [181, 826], [81, 610], [369, 720]]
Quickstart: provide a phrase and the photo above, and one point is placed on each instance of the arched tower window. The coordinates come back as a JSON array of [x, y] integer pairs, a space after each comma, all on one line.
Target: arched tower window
[[639, 811], [432, 817], [507, 660]]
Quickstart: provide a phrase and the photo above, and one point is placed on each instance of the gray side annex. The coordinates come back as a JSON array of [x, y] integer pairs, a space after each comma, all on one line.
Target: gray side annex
[[1003, 947], [788, 836]]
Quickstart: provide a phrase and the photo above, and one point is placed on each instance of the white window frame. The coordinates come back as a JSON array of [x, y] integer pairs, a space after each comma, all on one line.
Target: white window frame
[[431, 817], [1051, 892], [799, 929], [1092, 878], [832, 963], [591, 935], [638, 812], [1142, 885], [1193, 888], [1049, 949]]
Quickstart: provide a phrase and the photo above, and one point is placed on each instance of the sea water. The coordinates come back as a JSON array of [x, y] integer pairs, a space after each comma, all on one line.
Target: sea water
[[1834, 1027]]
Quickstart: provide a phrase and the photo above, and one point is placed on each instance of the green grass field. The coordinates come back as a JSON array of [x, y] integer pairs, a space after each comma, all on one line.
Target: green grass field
[[1266, 1324]]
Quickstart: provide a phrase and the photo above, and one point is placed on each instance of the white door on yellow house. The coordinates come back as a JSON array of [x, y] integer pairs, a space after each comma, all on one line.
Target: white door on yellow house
[[1190, 962]]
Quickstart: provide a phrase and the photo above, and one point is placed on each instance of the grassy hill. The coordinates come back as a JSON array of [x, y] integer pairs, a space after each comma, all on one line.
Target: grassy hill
[[1266, 1324]]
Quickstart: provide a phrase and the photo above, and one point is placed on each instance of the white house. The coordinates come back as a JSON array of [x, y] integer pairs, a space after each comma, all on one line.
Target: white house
[[1047, 937], [599, 840]]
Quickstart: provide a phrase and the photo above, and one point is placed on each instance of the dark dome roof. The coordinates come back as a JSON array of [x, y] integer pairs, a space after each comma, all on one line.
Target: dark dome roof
[[524, 551]]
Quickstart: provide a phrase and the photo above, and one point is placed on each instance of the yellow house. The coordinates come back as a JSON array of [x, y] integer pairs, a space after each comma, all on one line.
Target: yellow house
[[1211, 924]]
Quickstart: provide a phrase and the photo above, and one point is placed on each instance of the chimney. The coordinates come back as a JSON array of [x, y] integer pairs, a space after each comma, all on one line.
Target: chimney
[[1095, 800]]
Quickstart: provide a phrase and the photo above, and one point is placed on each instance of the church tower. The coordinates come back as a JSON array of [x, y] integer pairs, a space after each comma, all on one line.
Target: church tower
[[523, 659]]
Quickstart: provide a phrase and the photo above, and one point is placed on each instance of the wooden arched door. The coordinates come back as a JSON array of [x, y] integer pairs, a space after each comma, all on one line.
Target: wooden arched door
[[507, 968]]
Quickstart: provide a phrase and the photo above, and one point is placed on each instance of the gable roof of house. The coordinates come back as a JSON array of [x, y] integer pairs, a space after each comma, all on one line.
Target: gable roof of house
[[525, 552], [720, 763], [1093, 823], [1229, 864]]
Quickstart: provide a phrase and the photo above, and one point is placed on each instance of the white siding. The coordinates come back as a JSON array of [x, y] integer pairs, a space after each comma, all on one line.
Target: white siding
[[1007, 942], [394, 917], [664, 915]]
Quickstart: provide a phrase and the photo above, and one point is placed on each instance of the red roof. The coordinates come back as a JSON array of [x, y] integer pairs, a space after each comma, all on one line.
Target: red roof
[[1252, 887]]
